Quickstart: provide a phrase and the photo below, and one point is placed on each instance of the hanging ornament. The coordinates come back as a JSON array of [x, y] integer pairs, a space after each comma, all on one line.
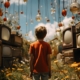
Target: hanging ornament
[[18, 27], [38, 17], [78, 13], [21, 12], [74, 7], [7, 4], [1, 13], [5, 19], [31, 21], [73, 17], [25, 0], [26, 23], [60, 24], [64, 12], [48, 20], [52, 10]]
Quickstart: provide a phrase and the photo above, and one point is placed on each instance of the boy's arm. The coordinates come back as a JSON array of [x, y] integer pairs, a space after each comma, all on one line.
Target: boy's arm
[[49, 64], [31, 64]]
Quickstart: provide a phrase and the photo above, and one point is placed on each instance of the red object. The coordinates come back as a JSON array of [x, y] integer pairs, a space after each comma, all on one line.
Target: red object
[[78, 13], [64, 12], [5, 19], [18, 27], [73, 17], [1, 13], [60, 24], [21, 12], [7, 4], [40, 56]]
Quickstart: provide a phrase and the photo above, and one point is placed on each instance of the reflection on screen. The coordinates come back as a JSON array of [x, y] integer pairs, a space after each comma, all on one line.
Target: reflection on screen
[[5, 34]]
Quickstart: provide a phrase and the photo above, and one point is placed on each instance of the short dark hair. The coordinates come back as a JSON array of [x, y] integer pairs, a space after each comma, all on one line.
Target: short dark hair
[[40, 32]]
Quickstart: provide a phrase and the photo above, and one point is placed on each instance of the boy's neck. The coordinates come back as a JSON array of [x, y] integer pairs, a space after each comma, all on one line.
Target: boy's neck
[[40, 39]]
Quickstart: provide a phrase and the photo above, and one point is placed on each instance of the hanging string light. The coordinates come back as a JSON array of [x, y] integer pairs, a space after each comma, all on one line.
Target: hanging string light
[[22, 9], [64, 12], [18, 26], [74, 7], [26, 20], [47, 19], [38, 17], [31, 20], [1, 12], [52, 8], [59, 16]]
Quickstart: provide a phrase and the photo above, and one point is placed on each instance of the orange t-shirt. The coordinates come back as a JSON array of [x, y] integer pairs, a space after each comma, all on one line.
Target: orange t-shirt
[[40, 50]]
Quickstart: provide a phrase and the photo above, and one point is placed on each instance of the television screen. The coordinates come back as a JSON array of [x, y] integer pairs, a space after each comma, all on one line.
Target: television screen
[[68, 52], [77, 54], [6, 51], [69, 38], [16, 40], [17, 52], [78, 40], [5, 33], [7, 62]]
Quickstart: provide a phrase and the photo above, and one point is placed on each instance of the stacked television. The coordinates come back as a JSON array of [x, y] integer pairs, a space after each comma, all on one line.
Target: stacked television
[[71, 44], [10, 46]]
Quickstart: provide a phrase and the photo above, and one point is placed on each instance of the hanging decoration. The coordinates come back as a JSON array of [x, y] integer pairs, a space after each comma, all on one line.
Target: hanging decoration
[[7, 4], [52, 8], [73, 17], [47, 8], [5, 19], [60, 24], [59, 17], [25, 0], [74, 7], [31, 20], [1, 12], [18, 27], [22, 9], [38, 17], [64, 12]]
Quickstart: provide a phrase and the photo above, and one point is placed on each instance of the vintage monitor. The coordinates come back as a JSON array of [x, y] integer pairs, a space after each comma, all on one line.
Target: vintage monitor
[[77, 54], [17, 52], [6, 51], [16, 40], [7, 62], [5, 33], [69, 38], [78, 40], [77, 31], [72, 52]]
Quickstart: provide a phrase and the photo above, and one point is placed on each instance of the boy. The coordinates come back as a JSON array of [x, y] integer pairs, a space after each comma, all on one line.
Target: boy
[[40, 63]]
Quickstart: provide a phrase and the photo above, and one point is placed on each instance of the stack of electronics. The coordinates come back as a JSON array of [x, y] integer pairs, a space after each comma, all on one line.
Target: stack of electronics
[[71, 44], [10, 46]]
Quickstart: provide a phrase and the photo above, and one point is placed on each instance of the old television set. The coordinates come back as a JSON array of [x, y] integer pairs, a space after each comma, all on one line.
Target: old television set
[[69, 36], [6, 51], [7, 62], [16, 40], [78, 40], [5, 33], [17, 52], [77, 54]]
